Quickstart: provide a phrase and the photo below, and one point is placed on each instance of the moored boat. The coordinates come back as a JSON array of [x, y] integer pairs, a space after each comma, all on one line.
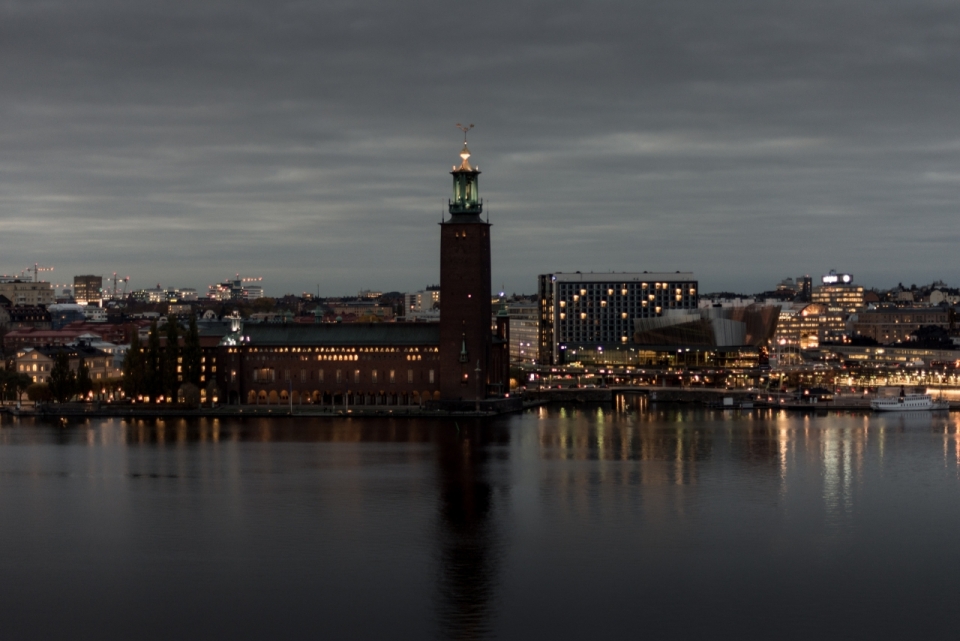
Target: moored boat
[[907, 403]]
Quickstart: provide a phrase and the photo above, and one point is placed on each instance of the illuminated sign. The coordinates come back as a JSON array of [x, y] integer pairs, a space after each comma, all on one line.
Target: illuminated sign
[[833, 278]]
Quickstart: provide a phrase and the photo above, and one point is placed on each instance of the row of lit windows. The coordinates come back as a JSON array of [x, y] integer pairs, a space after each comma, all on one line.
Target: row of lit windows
[[336, 350], [621, 304], [269, 375], [624, 288], [583, 316]]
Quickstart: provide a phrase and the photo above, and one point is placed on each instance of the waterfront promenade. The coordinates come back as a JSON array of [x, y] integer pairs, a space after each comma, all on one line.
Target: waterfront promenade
[[698, 396]]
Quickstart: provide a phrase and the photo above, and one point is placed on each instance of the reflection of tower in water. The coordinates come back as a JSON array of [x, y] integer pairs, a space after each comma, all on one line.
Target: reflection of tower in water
[[469, 545]]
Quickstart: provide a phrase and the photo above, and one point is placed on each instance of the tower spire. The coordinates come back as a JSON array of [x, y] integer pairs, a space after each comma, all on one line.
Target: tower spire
[[466, 191]]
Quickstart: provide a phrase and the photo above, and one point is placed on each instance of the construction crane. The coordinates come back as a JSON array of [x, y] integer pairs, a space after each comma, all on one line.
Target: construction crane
[[116, 291], [36, 269]]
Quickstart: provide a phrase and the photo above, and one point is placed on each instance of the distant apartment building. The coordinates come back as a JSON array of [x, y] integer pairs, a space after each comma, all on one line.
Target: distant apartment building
[[524, 330], [27, 316], [180, 294], [593, 314], [838, 293], [890, 325], [29, 337], [37, 362], [179, 309], [22, 292], [252, 292], [362, 310], [838, 299], [218, 292], [423, 301], [235, 289], [95, 314], [151, 295], [88, 289]]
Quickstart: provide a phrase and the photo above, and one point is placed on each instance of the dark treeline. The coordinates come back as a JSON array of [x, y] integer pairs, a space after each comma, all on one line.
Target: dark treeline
[[153, 370], [66, 383]]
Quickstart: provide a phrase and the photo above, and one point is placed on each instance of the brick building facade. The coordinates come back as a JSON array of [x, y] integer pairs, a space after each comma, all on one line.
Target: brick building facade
[[464, 357]]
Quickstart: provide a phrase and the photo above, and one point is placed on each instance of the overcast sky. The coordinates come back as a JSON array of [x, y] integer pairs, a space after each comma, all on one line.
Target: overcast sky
[[310, 142]]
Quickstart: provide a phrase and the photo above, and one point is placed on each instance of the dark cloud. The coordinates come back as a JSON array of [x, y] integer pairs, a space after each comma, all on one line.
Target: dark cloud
[[308, 142]]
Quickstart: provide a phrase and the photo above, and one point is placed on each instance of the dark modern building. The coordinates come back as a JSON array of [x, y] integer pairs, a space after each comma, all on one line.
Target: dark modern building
[[593, 314], [88, 289], [708, 337]]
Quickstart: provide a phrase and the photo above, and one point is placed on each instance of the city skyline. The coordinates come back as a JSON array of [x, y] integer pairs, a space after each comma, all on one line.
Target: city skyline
[[309, 145]]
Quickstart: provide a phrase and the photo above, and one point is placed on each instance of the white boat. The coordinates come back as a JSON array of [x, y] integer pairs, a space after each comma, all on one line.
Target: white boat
[[907, 403]]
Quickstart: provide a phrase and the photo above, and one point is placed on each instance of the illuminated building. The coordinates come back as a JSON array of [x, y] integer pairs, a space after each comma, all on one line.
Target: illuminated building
[[890, 325], [841, 298], [425, 300], [23, 292], [37, 362], [236, 289], [799, 326], [458, 360], [152, 295], [838, 293], [593, 313], [88, 290], [524, 330]]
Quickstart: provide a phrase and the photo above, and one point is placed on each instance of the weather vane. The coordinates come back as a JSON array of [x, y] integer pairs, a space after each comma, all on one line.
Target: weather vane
[[464, 130]]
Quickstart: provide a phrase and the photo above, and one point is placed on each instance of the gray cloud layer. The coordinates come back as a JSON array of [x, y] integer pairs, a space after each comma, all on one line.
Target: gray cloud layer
[[308, 142]]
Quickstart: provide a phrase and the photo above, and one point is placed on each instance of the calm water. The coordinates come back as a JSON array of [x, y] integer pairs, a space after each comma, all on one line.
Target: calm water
[[565, 523]]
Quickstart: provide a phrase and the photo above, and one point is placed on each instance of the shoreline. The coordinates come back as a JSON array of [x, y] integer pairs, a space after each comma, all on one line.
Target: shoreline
[[227, 411]]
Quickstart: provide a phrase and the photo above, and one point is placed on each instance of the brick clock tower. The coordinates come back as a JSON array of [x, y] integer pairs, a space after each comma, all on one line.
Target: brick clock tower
[[466, 340]]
